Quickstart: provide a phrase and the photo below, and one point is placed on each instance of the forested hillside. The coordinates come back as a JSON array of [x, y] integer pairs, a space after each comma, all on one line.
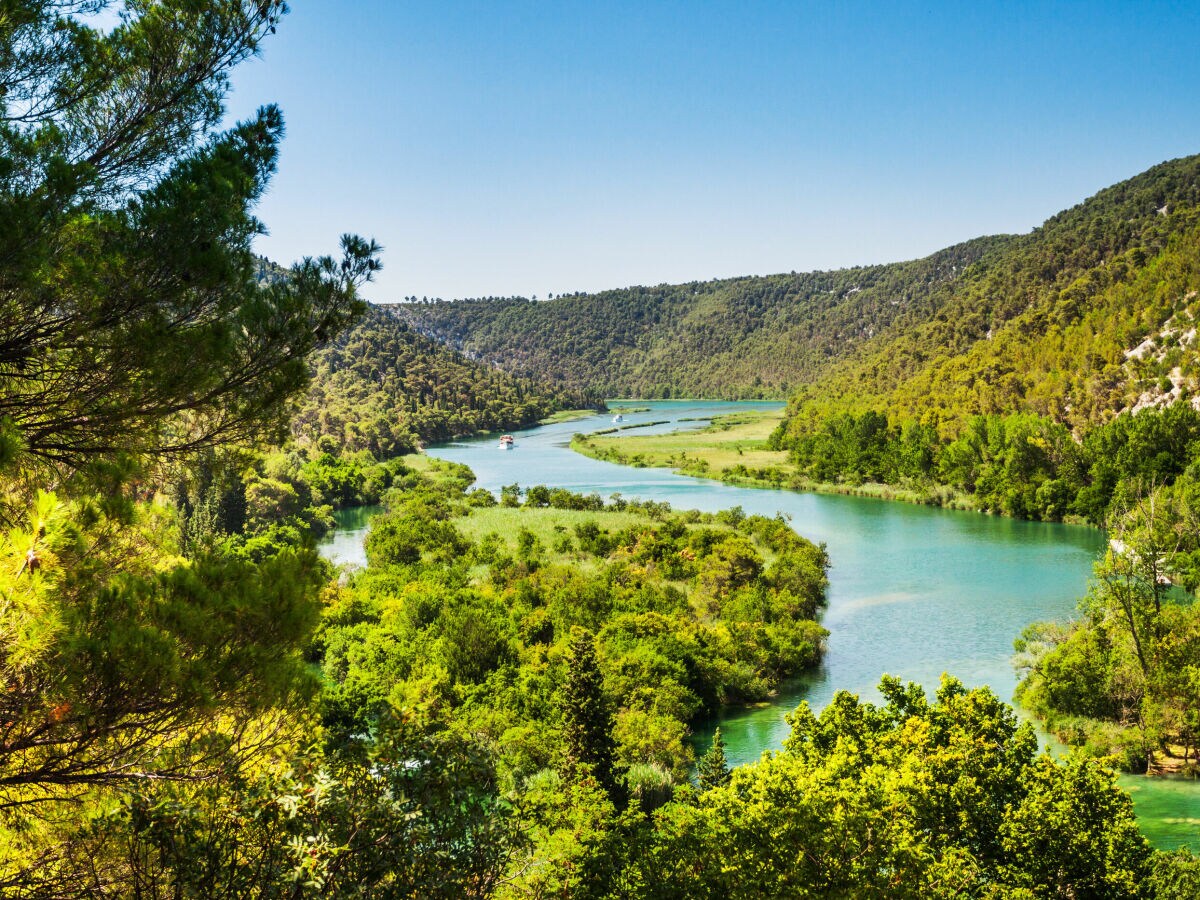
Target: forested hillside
[[1049, 322], [1075, 321], [735, 338], [382, 387], [1013, 391]]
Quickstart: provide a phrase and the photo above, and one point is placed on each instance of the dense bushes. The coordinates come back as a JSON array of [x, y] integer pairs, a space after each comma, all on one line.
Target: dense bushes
[[467, 615], [253, 504], [572, 641], [1020, 465], [911, 799]]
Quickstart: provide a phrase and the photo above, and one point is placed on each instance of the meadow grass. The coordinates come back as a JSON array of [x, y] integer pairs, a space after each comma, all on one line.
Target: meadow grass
[[549, 525], [736, 439], [545, 522], [419, 462], [568, 415]]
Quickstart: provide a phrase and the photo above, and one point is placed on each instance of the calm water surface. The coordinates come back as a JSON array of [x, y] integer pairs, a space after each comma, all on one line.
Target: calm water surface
[[345, 544], [914, 591]]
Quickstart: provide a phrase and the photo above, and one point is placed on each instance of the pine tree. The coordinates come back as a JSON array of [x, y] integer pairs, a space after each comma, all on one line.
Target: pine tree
[[131, 319], [587, 715], [713, 770]]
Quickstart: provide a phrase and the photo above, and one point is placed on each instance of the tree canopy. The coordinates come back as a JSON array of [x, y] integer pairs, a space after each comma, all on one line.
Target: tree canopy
[[130, 318]]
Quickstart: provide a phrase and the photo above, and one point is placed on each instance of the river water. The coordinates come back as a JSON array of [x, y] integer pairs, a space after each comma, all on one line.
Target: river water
[[913, 591]]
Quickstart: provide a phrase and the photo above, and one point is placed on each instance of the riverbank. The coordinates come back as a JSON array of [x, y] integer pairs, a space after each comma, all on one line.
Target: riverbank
[[568, 415], [734, 450]]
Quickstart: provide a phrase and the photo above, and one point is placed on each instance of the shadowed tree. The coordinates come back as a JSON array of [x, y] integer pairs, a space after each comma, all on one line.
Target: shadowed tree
[[130, 316], [587, 715], [132, 333]]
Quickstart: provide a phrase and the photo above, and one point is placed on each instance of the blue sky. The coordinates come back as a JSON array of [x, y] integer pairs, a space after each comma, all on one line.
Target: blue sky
[[535, 148]]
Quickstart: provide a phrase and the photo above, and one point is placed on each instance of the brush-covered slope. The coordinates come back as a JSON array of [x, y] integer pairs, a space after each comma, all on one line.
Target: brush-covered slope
[[1087, 315], [382, 387], [1048, 321], [735, 338]]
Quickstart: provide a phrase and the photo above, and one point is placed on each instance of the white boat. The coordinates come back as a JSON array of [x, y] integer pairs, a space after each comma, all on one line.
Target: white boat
[[618, 419], [507, 441]]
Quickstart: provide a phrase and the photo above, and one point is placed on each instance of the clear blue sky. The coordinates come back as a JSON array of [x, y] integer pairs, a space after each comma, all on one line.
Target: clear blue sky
[[520, 148]]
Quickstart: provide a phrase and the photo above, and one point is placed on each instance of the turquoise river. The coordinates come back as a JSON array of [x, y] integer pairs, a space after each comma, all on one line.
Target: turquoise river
[[914, 591]]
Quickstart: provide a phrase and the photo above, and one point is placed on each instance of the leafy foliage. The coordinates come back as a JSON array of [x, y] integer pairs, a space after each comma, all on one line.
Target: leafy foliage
[[1125, 679], [130, 319], [410, 815], [911, 799], [133, 333]]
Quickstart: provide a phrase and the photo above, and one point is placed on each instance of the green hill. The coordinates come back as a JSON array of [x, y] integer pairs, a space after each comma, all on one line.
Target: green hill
[[1013, 390], [382, 387], [758, 337], [1053, 322], [1041, 321]]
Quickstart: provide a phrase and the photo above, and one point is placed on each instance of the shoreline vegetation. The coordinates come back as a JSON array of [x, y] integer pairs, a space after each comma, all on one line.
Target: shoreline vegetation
[[735, 450], [570, 415], [1137, 720]]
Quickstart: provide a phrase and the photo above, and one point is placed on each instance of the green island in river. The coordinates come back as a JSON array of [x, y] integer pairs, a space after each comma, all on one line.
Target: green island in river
[[737, 448]]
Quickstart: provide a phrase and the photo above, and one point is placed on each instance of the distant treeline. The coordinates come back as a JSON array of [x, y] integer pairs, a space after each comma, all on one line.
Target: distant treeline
[[737, 338]]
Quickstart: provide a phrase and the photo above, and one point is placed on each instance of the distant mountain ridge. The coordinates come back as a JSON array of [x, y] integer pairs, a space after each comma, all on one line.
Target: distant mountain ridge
[[887, 334], [752, 337]]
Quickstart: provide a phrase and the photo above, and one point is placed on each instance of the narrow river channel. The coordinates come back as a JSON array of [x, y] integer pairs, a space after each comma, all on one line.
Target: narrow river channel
[[914, 591]]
